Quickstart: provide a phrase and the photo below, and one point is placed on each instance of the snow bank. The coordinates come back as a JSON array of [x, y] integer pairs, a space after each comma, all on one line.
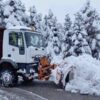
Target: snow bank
[[87, 75], [57, 59]]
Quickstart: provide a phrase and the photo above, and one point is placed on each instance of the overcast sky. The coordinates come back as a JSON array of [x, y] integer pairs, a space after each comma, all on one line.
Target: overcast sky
[[60, 7]]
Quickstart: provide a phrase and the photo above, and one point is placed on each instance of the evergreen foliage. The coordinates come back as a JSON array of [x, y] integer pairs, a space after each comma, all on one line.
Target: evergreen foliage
[[69, 38]]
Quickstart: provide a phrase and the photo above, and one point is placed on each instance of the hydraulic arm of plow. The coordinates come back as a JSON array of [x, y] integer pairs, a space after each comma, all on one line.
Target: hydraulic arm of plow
[[45, 68]]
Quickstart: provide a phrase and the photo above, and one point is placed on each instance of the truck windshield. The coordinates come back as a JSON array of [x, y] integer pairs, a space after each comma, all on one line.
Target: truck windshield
[[34, 39]]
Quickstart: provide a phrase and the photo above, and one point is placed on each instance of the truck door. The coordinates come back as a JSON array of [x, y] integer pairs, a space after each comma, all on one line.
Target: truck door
[[16, 51]]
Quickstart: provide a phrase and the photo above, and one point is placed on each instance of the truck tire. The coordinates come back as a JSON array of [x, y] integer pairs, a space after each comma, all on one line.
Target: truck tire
[[8, 78]]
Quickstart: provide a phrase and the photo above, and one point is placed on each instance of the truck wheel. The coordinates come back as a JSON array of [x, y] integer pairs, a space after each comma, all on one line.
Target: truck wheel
[[8, 78]]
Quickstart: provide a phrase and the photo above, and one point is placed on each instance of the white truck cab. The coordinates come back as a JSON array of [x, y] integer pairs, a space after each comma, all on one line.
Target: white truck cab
[[20, 51]]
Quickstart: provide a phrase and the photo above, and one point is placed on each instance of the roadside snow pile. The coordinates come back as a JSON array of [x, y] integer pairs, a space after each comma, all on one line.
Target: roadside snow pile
[[57, 59], [87, 75], [86, 71]]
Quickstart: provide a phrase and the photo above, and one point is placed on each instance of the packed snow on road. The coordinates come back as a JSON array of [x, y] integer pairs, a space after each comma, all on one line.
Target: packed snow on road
[[86, 71], [4, 95]]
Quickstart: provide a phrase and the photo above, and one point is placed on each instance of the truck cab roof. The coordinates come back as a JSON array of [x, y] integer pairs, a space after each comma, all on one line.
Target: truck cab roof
[[19, 28], [16, 28]]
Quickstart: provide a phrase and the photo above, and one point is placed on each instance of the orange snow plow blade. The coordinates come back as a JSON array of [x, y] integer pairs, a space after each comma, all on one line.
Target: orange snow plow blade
[[45, 67]]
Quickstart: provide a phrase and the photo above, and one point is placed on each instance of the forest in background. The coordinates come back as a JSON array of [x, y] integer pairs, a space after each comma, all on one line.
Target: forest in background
[[63, 39]]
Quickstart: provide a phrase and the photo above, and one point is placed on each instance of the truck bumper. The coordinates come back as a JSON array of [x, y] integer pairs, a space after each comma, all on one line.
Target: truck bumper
[[28, 70]]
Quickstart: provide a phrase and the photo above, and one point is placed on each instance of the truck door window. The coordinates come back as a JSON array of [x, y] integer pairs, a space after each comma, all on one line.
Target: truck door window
[[13, 38], [21, 44], [20, 40]]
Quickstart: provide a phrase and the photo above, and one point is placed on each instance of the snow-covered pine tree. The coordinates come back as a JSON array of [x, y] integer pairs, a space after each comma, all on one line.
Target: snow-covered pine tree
[[35, 19], [91, 22], [21, 10], [98, 45], [46, 29], [67, 41], [50, 22], [80, 44], [39, 22], [53, 32], [67, 23], [48, 25], [14, 13], [33, 13], [61, 31], [1, 12], [57, 39]]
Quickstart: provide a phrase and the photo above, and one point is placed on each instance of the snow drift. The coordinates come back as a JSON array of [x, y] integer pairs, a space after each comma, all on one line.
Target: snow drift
[[86, 74]]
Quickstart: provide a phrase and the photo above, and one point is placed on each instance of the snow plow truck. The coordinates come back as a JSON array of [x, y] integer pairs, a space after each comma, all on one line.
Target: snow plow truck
[[22, 53]]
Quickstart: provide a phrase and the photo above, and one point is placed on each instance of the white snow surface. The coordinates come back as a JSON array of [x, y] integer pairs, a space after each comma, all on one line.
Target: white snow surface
[[86, 74], [19, 27], [4, 95]]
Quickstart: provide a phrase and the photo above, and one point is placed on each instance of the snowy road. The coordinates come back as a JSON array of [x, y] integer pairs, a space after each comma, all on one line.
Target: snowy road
[[41, 91], [50, 91], [18, 94]]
